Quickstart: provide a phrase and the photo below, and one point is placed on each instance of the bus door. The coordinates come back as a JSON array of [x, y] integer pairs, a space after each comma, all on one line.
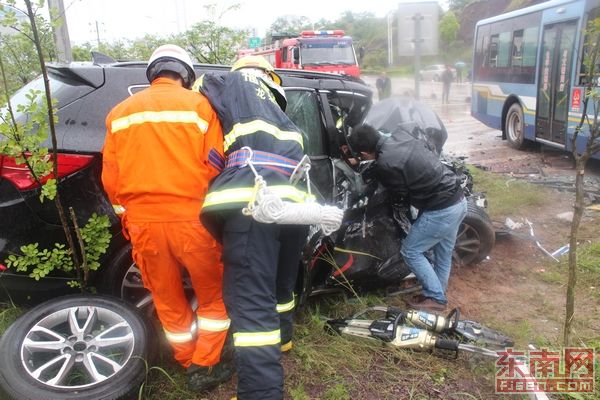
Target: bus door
[[555, 81]]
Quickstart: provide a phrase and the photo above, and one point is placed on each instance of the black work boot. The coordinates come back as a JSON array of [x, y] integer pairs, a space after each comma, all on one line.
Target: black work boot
[[201, 378]]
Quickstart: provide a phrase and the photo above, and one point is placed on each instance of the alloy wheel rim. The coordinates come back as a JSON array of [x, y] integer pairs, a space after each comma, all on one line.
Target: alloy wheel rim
[[133, 290], [77, 347]]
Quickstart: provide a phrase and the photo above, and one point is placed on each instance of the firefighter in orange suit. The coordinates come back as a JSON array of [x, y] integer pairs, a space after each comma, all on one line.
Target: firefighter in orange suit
[[163, 146]]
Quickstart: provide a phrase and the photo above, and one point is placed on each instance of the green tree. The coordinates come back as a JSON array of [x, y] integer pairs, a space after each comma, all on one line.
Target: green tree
[[448, 29], [292, 24], [17, 49], [459, 5], [82, 52], [368, 32], [210, 42], [22, 139], [590, 124]]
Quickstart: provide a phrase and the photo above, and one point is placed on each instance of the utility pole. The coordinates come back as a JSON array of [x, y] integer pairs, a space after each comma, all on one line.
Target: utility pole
[[60, 32], [97, 34]]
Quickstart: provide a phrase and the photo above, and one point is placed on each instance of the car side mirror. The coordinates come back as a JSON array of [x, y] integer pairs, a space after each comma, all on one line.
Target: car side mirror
[[296, 54]]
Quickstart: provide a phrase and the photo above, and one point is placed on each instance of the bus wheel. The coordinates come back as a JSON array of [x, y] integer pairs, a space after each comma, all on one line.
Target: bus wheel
[[514, 127]]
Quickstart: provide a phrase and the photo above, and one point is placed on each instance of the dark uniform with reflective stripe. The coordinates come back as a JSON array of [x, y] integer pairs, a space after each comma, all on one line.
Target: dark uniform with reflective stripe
[[261, 260]]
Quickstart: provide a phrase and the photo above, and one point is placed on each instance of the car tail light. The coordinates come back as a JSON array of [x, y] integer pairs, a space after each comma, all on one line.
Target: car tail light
[[20, 176]]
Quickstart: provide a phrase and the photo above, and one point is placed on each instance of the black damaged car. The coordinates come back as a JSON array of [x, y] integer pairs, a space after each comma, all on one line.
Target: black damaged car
[[88, 347], [323, 106]]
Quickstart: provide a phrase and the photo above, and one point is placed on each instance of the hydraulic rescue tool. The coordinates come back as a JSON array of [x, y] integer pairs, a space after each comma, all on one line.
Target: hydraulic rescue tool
[[421, 330]]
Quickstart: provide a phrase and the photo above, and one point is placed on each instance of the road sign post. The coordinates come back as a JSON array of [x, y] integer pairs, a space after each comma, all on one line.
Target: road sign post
[[254, 42]]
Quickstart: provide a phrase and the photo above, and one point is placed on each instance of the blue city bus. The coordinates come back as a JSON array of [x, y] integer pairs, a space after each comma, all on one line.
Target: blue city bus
[[528, 75]]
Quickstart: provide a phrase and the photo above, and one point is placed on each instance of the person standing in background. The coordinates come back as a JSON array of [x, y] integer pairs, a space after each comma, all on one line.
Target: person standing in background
[[447, 78], [384, 86]]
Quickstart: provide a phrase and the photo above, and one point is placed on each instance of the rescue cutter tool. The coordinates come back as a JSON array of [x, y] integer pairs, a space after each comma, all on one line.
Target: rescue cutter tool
[[417, 330]]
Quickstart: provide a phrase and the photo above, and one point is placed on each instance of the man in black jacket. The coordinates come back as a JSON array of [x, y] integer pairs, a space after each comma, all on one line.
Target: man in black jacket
[[407, 168]]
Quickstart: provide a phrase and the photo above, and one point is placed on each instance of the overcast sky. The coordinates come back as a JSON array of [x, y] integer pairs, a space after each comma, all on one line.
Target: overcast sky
[[131, 19]]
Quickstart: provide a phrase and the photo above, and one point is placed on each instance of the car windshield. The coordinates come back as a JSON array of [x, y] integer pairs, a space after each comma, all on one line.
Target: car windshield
[[327, 52]]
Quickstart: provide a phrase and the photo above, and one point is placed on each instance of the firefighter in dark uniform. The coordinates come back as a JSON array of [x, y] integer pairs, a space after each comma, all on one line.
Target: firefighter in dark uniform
[[260, 260]]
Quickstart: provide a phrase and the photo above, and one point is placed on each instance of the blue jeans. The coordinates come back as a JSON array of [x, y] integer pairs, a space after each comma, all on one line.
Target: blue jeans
[[435, 230]]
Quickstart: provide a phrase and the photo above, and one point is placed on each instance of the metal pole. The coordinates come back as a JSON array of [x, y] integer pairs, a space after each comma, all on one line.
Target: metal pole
[[417, 40], [98, 34], [61, 32]]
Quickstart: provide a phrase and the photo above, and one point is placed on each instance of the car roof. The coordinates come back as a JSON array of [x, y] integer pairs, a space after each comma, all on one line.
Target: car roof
[[290, 77], [93, 89]]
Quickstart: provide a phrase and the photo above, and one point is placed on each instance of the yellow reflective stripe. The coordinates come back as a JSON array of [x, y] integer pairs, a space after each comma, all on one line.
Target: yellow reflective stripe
[[281, 308], [182, 337], [244, 195], [213, 325], [198, 83], [248, 128], [185, 117], [287, 346], [179, 337], [245, 339], [119, 209]]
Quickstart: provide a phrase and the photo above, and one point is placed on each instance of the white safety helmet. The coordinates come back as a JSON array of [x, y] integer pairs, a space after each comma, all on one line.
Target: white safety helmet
[[259, 66], [170, 57]]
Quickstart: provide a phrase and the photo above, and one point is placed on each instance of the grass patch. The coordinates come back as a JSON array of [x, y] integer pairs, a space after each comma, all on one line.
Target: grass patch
[[508, 196], [8, 314], [329, 366], [520, 332], [588, 260], [553, 276]]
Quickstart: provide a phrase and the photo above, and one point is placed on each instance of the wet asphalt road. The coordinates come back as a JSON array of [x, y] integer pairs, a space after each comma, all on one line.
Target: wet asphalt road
[[484, 146]]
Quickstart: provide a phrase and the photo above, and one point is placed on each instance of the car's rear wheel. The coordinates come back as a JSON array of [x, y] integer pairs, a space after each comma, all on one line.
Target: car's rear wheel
[[84, 347], [122, 278], [476, 236]]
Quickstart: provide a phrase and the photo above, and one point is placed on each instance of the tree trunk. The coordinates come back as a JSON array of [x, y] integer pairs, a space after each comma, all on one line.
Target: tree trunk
[[57, 200], [577, 215]]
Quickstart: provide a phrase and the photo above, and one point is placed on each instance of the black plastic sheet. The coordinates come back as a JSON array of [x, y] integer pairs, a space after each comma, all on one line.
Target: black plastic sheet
[[406, 114]]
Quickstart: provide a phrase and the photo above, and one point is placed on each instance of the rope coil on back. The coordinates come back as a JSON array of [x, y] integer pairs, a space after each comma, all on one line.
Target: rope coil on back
[[268, 208]]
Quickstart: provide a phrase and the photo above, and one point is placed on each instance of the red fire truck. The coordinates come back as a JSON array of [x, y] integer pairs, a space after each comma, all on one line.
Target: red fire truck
[[324, 51]]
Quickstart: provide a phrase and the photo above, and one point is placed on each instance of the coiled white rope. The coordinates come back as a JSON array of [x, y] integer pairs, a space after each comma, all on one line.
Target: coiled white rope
[[268, 208]]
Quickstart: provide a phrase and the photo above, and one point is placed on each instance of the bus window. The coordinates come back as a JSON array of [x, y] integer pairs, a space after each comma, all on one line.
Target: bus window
[[493, 58], [530, 46], [504, 49], [517, 49]]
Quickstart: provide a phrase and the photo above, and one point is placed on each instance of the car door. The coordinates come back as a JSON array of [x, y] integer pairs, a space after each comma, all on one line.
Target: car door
[[305, 111]]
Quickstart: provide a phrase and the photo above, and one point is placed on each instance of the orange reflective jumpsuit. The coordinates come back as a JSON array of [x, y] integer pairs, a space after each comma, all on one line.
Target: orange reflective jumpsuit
[[163, 145]]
